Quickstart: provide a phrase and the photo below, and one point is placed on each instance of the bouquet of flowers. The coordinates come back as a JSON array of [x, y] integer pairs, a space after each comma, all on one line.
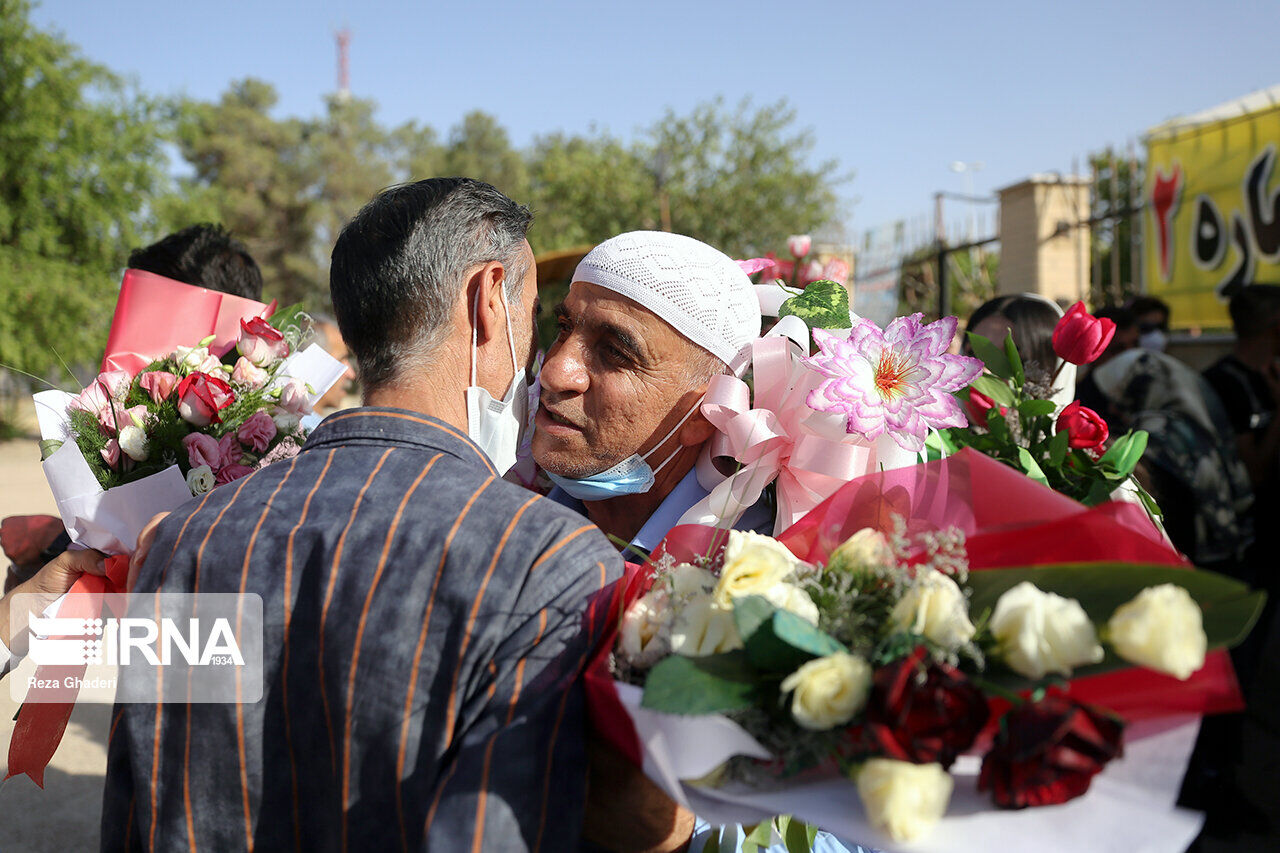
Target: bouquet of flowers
[[197, 389], [888, 660], [1013, 420]]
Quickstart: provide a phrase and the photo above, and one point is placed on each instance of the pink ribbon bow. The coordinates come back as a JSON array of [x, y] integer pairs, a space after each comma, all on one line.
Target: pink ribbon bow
[[778, 437]]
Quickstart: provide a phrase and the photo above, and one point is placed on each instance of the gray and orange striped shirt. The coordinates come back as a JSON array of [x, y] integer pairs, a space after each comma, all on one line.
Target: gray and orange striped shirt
[[426, 627]]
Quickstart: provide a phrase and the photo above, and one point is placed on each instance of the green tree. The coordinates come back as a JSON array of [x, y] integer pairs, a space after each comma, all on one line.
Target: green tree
[[254, 172], [480, 148], [351, 160], [1117, 181], [80, 152], [585, 190], [739, 179]]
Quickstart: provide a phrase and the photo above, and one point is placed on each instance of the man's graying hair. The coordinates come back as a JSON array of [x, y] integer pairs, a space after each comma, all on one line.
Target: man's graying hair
[[398, 267]]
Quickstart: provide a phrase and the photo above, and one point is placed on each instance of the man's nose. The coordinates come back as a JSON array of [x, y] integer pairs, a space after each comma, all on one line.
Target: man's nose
[[564, 371]]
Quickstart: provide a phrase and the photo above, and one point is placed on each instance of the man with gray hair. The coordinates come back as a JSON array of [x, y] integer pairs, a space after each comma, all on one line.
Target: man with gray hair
[[426, 622], [650, 318]]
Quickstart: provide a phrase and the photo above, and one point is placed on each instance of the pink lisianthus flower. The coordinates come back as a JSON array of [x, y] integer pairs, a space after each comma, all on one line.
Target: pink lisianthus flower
[[203, 450], [257, 431], [159, 384], [111, 453], [232, 472], [260, 342], [116, 383], [897, 381], [249, 374], [116, 417], [229, 451]]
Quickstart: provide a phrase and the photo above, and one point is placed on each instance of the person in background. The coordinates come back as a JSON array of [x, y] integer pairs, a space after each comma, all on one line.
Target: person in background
[[1125, 339], [1031, 319], [204, 255], [1152, 316]]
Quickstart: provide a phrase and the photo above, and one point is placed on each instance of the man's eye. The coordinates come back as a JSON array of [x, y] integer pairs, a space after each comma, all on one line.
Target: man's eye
[[615, 356]]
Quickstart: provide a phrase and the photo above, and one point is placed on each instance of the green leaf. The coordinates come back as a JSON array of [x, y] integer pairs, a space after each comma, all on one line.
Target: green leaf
[[795, 834], [822, 305], [1058, 447], [1036, 408], [998, 391], [1229, 606], [1030, 465], [760, 835], [785, 642], [749, 613], [1015, 360], [992, 356], [705, 685], [1123, 455]]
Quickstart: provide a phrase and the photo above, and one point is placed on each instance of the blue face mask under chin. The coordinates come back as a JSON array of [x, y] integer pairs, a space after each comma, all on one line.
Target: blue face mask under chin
[[631, 476]]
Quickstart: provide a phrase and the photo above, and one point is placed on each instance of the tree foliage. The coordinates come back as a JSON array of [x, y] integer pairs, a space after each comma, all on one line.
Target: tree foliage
[[80, 153]]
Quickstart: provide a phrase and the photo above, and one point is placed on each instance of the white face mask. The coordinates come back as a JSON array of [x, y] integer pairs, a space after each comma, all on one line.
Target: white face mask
[[498, 426], [1155, 339]]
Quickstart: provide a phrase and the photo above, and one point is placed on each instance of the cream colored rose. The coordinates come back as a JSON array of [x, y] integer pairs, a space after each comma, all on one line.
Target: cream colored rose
[[1161, 628], [934, 607], [827, 692], [793, 599], [687, 580], [752, 565], [645, 635], [703, 627], [200, 479], [866, 549], [1039, 632], [133, 442], [902, 799]]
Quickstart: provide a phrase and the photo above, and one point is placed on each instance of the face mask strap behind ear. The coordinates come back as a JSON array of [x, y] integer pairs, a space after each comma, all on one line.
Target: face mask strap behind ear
[[475, 317], [667, 438]]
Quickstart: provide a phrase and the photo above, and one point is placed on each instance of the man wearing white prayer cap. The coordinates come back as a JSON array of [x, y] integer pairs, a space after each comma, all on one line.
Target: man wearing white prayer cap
[[649, 319]]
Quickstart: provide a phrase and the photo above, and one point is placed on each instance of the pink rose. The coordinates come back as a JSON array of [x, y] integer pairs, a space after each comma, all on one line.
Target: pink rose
[[116, 383], [229, 451], [232, 472], [257, 431], [211, 365], [203, 450], [260, 342], [836, 270], [201, 397], [799, 244], [249, 374], [111, 453], [159, 384], [293, 397], [116, 417]]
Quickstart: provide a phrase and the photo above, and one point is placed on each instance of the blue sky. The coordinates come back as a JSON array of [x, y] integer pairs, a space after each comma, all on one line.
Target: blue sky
[[895, 91]]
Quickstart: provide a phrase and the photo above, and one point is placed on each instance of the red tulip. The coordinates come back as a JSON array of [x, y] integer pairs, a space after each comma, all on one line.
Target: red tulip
[[1085, 426], [979, 405], [1081, 337]]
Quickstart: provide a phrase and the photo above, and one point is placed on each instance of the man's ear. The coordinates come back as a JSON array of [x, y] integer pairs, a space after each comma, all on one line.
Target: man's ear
[[697, 429], [485, 285]]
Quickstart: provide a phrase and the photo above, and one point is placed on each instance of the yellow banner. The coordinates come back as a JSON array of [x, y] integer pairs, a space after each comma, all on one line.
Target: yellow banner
[[1212, 218]]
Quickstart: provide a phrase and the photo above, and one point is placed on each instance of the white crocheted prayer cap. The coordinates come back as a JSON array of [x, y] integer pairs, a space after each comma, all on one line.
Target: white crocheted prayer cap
[[699, 290]]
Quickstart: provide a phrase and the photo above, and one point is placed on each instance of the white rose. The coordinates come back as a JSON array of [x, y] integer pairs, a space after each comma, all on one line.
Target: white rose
[[866, 549], [902, 799], [645, 635], [934, 607], [133, 442], [752, 565], [200, 479], [703, 628], [829, 691], [285, 421], [689, 580], [1161, 628], [191, 359], [793, 599], [1040, 632], [293, 397]]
